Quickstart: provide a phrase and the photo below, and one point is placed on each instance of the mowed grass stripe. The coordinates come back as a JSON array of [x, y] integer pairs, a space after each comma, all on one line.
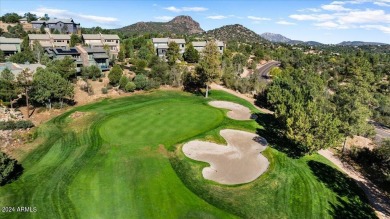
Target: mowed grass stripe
[[111, 166]]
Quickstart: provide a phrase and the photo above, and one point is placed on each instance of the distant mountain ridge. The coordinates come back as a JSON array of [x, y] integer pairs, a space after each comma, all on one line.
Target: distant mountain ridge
[[179, 25], [235, 32], [360, 43], [274, 37]]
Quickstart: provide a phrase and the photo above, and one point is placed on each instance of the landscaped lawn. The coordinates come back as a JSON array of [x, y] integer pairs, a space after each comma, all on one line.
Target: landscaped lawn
[[123, 159]]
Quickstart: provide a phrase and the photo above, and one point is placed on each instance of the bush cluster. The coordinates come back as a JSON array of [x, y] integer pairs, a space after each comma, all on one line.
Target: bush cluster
[[12, 125]]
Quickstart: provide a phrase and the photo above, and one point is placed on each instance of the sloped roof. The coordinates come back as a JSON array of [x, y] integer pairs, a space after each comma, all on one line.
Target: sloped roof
[[178, 41], [60, 37], [91, 36], [160, 40], [94, 50], [39, 36], [199, 44], [110, 36], [4, 40], [9, 47], [54, 21]]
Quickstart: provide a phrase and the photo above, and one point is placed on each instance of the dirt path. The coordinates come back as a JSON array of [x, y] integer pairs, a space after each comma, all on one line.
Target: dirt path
[[379, 201]]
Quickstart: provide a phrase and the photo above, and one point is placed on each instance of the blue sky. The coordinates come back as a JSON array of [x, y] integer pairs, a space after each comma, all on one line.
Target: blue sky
[[323, 21]]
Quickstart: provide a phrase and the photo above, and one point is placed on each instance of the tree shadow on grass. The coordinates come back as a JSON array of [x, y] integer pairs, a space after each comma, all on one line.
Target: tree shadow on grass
[[352, 202], [273, 132], [10, 170]]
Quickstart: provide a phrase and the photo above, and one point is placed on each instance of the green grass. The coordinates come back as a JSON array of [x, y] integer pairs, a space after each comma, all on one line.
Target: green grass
[[123, 160]]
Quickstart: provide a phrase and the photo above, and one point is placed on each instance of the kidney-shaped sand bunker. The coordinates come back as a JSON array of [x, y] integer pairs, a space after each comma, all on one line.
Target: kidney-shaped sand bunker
[[238, 162]]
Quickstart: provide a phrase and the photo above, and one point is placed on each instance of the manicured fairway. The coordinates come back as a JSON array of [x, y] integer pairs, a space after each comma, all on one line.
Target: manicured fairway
[[122, 159]]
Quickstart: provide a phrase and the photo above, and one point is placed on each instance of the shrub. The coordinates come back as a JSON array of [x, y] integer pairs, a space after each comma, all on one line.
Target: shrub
[[109, 86], [130, 87], [12, 125], [100, 80], [10, 169], [104, 90], [140, 81], [132, 68], [123, 82], [58, 105]]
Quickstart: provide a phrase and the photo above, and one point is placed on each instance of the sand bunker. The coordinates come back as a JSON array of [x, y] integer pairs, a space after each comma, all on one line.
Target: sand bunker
[[238, 162], [238, 112]]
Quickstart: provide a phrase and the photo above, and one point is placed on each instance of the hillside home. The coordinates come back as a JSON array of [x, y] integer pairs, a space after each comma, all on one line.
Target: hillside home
[[50, 40], [60, 53], [199, 45], [161, 45], [67, 26], [100, 40], [94, 56], [10, 46], [23, 20]]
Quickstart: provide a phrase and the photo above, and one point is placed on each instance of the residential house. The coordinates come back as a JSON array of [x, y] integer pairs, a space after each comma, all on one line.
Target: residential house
[[94, 56], [161, 45], [10, 46], [23, 20], [60, 53], [50, 40], [67, 26], [199, 45], [102, 40], [17, 68], [43, 39]]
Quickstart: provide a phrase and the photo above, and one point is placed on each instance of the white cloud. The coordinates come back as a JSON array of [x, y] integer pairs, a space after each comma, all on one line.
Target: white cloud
[[258, 18], [327, 24], [217, 17], [340, 17], [164, 18], [310, 10], [285, 23], [385, 29], [383, 4], [366, 16], [312, 17], [334, 7], [195, 9], [59, 13]]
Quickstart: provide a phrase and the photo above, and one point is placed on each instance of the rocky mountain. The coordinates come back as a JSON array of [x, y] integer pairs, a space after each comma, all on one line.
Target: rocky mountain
[[178, 25], [274, 37], [235, 32], [360, 43]]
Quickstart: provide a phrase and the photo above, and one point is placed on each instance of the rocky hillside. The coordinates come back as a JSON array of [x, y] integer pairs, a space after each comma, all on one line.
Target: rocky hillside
[[235, 32], [274, 37], [178, 25]]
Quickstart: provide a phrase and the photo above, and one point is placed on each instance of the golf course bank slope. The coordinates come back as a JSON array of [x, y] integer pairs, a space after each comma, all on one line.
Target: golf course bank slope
[[122, 158]]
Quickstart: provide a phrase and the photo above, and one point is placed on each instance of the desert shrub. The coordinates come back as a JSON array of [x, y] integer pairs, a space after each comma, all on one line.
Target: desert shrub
[[130, 87], [104, 90], [12, 125], [123, 82]]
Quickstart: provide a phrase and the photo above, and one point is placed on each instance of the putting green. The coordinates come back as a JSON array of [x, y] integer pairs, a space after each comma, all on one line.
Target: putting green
[[122, 159]]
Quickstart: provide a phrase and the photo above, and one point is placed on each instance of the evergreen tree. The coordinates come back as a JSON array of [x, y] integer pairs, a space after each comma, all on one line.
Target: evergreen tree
[[115, 74], [191, 55], [210, 64], [173, 53]]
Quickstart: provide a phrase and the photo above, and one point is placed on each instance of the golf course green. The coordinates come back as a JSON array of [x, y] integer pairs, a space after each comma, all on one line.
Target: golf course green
[[122, 158]]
